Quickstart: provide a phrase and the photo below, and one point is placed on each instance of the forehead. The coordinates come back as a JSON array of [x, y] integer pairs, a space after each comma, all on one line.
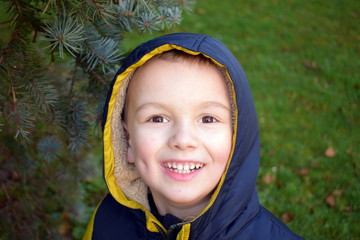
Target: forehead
[[179, 74]]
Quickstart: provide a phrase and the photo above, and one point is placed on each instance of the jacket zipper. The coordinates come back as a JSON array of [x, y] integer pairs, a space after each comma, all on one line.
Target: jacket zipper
[[174, 230], [161, 231]]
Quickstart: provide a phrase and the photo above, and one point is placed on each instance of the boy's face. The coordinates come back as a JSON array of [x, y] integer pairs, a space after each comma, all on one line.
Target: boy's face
[[178, 117]]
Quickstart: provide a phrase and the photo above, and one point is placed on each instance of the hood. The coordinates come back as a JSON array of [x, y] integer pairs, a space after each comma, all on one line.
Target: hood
[[236, 190]]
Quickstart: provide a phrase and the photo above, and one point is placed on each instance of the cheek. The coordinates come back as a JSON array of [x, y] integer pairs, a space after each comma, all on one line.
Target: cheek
[[145, 146], [221, 148]]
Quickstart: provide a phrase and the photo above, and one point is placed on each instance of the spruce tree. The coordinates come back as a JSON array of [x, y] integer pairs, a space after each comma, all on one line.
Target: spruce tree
[[57, 59]]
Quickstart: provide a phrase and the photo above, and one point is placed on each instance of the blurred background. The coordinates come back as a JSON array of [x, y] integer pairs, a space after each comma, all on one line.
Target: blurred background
[[57, 59]]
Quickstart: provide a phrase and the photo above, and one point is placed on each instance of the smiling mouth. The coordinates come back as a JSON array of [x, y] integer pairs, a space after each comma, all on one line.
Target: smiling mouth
[[182, 168]]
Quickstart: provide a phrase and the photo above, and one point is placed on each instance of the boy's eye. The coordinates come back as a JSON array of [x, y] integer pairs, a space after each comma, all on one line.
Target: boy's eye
[[158, 119], [208, 119]]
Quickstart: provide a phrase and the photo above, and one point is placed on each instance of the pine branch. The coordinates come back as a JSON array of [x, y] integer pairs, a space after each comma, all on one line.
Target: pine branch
[[169, 16], [187, 5], [15, 10], [77, 126], [100, 29], [1, 113], [30, 95], [24, 14], [102, 52], [99, 77], [106, 12], [148, 22], [49, 147], [48, 4], [22, 117], [126, 13], [77, 140], [65, 33], [44, 94]]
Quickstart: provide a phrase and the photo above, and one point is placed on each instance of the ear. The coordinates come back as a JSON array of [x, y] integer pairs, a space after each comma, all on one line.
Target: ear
[[129, 150], [130, 156]]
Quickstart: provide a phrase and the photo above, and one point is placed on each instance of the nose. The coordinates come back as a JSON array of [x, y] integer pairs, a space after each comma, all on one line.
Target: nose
[[183, 136]]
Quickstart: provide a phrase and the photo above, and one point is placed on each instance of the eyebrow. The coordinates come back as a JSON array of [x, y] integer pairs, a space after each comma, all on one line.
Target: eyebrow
[[216, 104], [149, 105]]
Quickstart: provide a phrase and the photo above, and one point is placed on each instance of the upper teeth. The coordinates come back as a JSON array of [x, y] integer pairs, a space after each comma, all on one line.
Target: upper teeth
[[183, 168]]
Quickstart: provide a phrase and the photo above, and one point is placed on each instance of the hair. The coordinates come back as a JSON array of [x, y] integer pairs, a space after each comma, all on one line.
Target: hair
[[177, 55]]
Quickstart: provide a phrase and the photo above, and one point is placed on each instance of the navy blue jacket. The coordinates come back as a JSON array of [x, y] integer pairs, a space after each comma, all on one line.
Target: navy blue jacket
[[234, 213]]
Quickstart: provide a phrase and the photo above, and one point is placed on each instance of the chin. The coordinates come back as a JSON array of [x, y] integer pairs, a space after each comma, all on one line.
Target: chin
[[189, 200]]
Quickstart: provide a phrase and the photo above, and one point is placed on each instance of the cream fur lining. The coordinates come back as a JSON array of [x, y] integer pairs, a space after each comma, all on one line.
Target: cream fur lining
[[126, 175]]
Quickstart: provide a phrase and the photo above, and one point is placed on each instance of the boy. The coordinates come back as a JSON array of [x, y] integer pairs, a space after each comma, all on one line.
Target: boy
[[181, 147]]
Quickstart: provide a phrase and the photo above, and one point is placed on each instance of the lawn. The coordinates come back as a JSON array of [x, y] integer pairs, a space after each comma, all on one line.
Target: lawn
[[302, 61]]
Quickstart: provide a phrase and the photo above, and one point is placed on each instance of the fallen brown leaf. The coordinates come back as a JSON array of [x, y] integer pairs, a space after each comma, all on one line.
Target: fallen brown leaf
[[287, 217], [330, 200], [268, 178], [303, 172], [330, 152]]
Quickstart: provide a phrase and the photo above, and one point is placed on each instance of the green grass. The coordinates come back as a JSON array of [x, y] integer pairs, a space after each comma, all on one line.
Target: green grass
[[302, 61]]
